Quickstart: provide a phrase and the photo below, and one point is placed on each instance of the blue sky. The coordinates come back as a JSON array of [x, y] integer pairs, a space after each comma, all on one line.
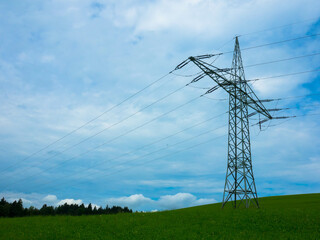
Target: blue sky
[[62, 63]]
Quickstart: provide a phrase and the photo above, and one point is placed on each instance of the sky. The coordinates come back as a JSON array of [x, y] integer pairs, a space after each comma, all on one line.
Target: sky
[[65, 63]]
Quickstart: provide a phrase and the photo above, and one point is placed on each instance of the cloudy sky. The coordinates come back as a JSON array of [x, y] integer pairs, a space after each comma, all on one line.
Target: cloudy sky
[[65, 64]]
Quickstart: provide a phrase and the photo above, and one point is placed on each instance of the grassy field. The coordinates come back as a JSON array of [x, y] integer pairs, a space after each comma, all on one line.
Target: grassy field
[[285, 217]]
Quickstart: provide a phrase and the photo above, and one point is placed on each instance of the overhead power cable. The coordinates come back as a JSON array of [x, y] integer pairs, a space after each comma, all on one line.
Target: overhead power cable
[[283, 75], [272, 43], [262, 45], [299, 107], [199, 87], [282, 60], [86, 123], [304, 115], [185, 62], [112, 125], [138, 93], [217, 56], [161, 139], [279, 42], [308, 114], [285, 117], [271, 99], [152, 160], [169, 155], [278, 27], [300, 96], [113, 139], [216, 99], [275, 61]]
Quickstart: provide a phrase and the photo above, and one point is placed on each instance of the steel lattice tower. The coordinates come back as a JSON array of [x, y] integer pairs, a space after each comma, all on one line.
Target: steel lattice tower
[[239, 183]]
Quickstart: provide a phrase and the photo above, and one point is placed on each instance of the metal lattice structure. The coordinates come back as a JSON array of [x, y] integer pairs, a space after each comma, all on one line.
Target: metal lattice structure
[[239, 183]]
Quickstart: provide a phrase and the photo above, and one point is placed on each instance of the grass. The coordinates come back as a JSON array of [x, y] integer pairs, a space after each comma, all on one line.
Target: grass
[[284, 217]]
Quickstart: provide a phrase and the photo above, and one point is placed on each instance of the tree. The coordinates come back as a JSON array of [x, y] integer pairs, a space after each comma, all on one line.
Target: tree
[[89, 209], [16, 209], [4, 208], [47, 210]]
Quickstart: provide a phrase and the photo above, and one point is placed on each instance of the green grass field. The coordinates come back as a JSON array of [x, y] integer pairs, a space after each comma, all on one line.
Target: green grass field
[[285, 217]]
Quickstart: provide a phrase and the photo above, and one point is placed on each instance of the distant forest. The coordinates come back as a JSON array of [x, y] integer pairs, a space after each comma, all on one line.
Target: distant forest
[[16, 209]]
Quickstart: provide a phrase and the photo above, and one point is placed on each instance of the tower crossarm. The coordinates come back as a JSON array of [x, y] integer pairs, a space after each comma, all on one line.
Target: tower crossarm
[[219, 76]]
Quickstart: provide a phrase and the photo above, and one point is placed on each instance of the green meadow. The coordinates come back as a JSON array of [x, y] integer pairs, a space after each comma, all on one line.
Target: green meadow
[[283, 217]]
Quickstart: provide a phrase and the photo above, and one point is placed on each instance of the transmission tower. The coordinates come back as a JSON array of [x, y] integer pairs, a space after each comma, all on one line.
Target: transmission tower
[[239, 183]]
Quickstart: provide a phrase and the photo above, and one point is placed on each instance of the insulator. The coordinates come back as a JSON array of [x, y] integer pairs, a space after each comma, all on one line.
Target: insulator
[[263, 121], [207, 56], [181, 65], [196, 79], [252, 114], [276, 109], [284, 117], [223, 69], [212, 89]]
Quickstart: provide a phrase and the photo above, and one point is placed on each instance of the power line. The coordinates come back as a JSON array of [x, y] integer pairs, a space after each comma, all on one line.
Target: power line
[[115, 124], [164, 138], [269, 100], [300, 96], [303, 115], [178, 143], [299, 107], [293, 117], [306, 115], [183, 150], [275, 61], [277, 27], [199, 87], [283, 75], [305, 106], [217, 56], [86, 123], [152, 104], [279, 42], [268, 44], [115, 138], [216, 99], [282, 60], [244, 49]]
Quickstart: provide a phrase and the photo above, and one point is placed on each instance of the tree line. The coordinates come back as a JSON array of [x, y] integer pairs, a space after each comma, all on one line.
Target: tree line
[[16, 209]]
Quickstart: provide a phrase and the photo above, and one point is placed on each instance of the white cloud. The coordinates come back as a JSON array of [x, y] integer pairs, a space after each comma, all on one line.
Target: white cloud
[[25, 201], [204, 201], [50, 198], [167, 202], [31, 199], [69, 201], [181, 200], [208, 17], [176, 201], [135, 201], [94, 206], [37, 200]]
